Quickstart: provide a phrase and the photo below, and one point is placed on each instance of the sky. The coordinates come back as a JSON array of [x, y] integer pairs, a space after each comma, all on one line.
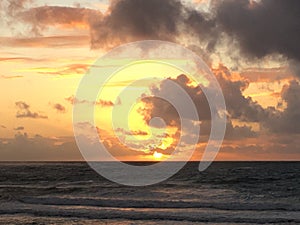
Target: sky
[[251, 46]]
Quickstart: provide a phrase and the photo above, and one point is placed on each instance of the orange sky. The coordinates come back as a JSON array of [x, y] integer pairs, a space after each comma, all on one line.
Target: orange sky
[[46, 47]]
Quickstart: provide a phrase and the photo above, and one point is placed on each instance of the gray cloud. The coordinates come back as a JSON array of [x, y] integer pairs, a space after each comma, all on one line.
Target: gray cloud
[[238, 107], [136, 20], [263, 28], [170, 20], [24, 111], [287, 121], [266, 27]]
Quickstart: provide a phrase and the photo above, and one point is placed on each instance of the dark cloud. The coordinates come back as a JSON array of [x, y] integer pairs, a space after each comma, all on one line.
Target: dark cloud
[[261, 28], [239, 107], [24, 111], [169, 20], [287, 121], [126, 21], [132, 20], [161, 108], [59, 108], [264, 27]]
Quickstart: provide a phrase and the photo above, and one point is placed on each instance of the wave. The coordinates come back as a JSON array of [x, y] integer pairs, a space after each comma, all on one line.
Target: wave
[[150, 214], [125, 203]]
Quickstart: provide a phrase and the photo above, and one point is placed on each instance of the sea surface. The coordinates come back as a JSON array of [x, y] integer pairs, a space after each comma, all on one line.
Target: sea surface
[[226, 193]]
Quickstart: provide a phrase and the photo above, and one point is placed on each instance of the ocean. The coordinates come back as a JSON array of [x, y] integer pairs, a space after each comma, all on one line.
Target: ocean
[[226, 193]]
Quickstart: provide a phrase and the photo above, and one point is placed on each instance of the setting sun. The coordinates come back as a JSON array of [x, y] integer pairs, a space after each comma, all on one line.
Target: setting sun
[[149, 112], [157, 155]]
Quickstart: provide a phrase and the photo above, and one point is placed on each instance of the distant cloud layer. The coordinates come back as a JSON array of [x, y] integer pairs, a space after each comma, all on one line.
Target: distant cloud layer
[[25, 148]]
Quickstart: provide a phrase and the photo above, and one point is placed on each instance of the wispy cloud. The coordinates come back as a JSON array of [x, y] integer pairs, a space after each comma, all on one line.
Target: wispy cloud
[[132, 133], [72, 69], [46, 42], [103, 103], [10, 77]]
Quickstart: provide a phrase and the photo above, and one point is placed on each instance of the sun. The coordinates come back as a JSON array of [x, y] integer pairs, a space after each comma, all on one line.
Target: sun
[[157, 155]]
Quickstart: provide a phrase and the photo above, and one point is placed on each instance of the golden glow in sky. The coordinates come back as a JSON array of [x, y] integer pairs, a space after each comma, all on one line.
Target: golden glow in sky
[[47, 47]]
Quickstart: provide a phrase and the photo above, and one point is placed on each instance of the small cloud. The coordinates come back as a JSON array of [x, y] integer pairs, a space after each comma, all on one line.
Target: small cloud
[[104, 103], [24, 111], [59, 108], [132, 133], [73, 100], [19, 128]]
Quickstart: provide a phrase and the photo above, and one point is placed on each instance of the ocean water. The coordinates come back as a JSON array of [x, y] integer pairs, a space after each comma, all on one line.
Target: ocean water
[[226, 193]]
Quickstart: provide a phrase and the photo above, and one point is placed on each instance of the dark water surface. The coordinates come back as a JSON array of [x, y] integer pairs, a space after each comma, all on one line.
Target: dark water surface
[[226, 193]]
